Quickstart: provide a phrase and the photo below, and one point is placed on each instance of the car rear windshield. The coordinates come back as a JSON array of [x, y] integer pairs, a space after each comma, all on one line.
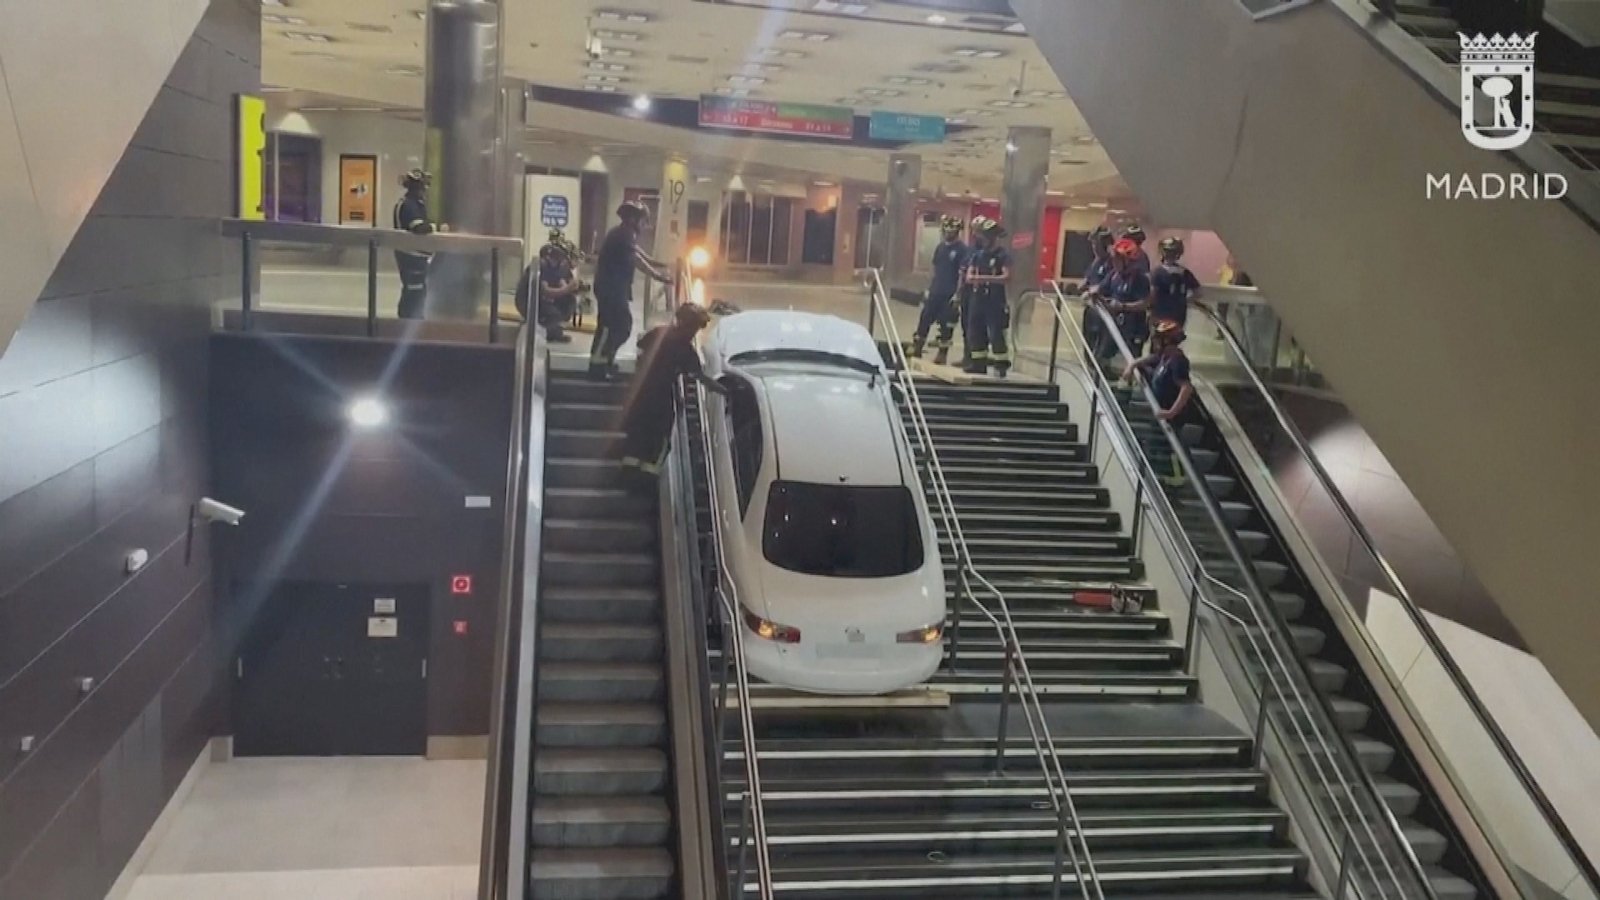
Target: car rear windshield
[[840, 531]]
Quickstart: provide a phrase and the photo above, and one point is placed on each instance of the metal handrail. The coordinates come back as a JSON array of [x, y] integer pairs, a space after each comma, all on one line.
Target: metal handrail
[[754, 810], [1016, 668], [1257, 601], [1430, 636], [507, 792]]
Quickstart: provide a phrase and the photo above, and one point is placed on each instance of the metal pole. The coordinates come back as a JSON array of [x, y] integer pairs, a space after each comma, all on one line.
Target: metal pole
[[962, 593], [1061, 851], [245, 281], [1055, 341], [1261, 719], [494, 294], [1005, 713], [372, 288], [872, 310], [1344, 865], [1094, 424], [1138, 515], [1189, 636], [744, 843]]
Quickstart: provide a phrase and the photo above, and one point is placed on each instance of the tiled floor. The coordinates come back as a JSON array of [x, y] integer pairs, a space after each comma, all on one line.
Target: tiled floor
[[323, 829]]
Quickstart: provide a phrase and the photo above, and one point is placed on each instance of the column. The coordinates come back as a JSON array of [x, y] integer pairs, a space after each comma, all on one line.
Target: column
[[462, 119], [672, 230], [899, 218], [1022, 202]]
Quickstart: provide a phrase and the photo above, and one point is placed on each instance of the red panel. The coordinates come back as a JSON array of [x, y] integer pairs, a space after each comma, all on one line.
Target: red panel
[[1050, 244]]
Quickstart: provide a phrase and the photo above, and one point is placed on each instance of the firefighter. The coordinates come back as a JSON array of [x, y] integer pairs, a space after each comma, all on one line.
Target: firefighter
[[1126, 295], [666, 353], [557, 289], [411, 214], [1100, 240], [987, 272], [619, 257], [1172, 285], [964, 304], [940, 307]]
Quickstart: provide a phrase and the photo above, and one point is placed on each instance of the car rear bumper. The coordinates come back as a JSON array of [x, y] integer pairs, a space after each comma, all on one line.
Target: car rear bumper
[[800, 667]]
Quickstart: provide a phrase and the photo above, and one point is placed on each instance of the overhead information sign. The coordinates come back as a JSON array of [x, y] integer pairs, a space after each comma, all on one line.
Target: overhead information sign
[[836, 122], [891, 126]]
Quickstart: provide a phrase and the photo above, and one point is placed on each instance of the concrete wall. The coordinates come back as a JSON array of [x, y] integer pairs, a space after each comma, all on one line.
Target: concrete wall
[[1458, 332], [102, 450], [76, 80]]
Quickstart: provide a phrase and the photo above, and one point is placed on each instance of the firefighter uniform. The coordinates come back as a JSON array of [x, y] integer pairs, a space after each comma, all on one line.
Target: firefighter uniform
[[411, 214], [991, 313], [941, 308]]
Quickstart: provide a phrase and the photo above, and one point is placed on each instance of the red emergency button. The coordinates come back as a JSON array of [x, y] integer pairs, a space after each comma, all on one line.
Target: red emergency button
[[460, 626], [461, 585]]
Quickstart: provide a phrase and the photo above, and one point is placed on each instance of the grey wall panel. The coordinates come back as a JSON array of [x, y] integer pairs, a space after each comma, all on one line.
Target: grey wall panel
[[103, 436]]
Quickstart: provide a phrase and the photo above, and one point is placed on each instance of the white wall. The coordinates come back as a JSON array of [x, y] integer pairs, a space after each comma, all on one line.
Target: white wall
[[1555, 743]]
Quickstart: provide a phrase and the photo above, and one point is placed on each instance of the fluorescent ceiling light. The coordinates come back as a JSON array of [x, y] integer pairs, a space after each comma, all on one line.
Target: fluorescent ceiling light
[[881, 92], [619, 52], [937, 19], [1016, 28], [409, 71], [311, 36], [838, 6], [823, 184], [978, 52], [733, 92], [642, 103], [906, 79], [1098, 205], [607, 67], [276, 19], [602, 79], [623, 15], [746, 80], [796, 34], [609, 35], [602, 88], [955, 121], [1010, 104], [780, 53]]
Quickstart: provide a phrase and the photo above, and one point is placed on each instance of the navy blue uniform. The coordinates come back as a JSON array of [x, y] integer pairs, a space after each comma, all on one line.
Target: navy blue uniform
[[613, 294], [411, 214], [665, 356], [964, 304], [1168, 375], [1171, 287], [1130, 286], [991, 313], [949, 259]]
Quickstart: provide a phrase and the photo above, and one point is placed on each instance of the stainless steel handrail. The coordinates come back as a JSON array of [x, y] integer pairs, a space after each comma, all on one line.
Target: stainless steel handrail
[[1413, 611], [1258, 602], [503, 862], [360, 236], [1073, 840], [733, 647]]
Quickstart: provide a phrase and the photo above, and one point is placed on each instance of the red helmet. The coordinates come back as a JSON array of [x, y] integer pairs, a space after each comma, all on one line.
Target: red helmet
[[1125, 248]]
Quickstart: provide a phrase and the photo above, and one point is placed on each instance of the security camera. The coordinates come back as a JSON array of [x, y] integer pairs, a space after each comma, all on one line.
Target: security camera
[[217, 511], [1016, 91], [593, 48]]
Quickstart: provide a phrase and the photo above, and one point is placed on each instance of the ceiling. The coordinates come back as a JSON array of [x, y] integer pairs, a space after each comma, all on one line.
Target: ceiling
[[963, 59]]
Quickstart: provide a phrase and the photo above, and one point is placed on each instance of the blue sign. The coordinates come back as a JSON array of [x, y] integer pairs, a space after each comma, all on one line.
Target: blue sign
[[888, 126], [554, 211]]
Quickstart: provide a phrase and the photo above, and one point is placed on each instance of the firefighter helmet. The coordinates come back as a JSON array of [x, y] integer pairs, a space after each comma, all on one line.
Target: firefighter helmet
[[1171, 247]]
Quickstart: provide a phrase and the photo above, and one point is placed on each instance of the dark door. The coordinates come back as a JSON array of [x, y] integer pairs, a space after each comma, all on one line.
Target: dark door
[[334, 670]]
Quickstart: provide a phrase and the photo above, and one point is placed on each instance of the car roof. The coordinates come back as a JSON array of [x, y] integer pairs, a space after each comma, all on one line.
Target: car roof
[[830, 427], [765, 330]]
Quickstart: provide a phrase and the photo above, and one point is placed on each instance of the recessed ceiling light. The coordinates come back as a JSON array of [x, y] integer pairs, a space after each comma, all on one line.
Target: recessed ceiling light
[[609, 35], [642, 103], [780, 53], [370, 29], [838, 6], [978, 52], [796, 34], [824, 184], [1016, 28], [746, 80], [368, 412], [410, 71], [1010, 104], [597, 66], [908, 80], [602, 79], [619, 52], [276, 19], [602, 88], [937, 19], [310, 36], [733, 92], [623, 15]]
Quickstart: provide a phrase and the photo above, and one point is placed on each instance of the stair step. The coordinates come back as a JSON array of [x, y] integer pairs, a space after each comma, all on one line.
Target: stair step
[[601, 725], [615, 605], [588, 416], [576, 389], [593, 569], [979, 679], [592, 502], [995, 522], [1015, 793], [609, 535], [873, 758], [951, 450], [601, 821], [600, 770], [601, 873], [599, 642], [579, 473], [578, 682]]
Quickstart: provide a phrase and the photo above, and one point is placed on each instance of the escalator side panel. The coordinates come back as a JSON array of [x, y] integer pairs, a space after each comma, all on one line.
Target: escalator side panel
[[1456, 330]]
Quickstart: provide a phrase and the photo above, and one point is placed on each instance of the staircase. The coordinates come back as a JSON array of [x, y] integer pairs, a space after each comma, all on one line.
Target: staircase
[[601, 824], [908, 801], [1567, 91], [1348, 693]]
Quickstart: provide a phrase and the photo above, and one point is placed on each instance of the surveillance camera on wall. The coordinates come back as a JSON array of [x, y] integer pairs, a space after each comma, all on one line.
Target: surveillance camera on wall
[[593, 48], [217, 511]]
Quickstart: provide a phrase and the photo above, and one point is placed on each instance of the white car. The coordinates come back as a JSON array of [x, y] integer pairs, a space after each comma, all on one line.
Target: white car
[[826, 530]]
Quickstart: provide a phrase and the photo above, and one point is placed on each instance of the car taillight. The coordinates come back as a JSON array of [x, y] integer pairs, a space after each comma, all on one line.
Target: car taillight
[[771, 631], [928, 635]]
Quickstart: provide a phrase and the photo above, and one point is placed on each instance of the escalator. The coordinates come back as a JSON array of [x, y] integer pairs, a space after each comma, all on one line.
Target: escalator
[[1491, 834], [1306, 140]]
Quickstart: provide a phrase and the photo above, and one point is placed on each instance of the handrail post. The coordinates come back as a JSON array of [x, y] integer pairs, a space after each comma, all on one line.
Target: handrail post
[[1094, 424], [872, 309], [372, 288], [1258, 752], [1190, 642], [494, 294], [744, 844], [246, 279], [1345, 849], [1008, 678], [1061, 852], [1055, 342], [963, 591], [1138, 515]]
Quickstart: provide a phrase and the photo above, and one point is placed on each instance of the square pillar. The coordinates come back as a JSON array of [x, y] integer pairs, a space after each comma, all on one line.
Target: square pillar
[[1022, 202]]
